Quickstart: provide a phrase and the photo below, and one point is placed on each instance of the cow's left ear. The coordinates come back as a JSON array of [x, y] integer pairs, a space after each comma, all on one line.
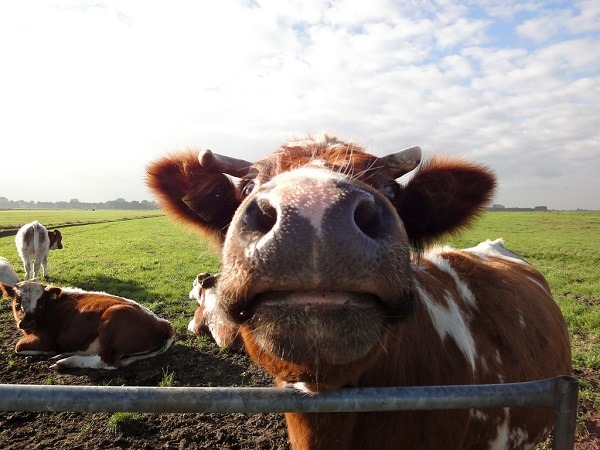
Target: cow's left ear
[[8, 290], [53, 292], [444, 196]]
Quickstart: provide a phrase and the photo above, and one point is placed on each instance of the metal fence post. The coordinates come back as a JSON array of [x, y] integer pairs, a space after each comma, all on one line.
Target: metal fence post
[[567, 394]]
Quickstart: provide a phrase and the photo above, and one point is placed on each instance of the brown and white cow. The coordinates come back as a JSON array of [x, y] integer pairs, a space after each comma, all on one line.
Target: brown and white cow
[[7, 273], [91, 330], [325, 271], [33, 243], [208, 320]]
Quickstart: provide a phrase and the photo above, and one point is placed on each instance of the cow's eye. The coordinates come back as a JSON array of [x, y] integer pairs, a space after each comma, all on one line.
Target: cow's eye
[[388, 190], [248, 188]]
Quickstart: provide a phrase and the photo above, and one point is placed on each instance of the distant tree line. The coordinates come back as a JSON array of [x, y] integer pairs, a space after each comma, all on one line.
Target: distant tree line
[[497, 207], [74, 203]]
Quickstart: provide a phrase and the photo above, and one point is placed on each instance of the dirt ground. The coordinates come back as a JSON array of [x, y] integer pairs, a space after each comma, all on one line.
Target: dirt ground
[[191, 364]]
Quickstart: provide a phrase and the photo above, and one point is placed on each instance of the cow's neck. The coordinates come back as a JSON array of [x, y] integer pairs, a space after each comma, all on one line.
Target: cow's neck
[[320, 431]]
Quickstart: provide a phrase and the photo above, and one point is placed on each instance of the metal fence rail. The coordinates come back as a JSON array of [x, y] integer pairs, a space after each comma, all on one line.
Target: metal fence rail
[[560, 393]]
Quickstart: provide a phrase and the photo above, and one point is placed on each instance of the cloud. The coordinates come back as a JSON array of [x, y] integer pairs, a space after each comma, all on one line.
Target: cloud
[[109, 86]]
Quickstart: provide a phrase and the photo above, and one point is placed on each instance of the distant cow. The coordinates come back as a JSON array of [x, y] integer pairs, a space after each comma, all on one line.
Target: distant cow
[[7, 273], [97, 330], [207, 320], [325, 270], [33, 242]]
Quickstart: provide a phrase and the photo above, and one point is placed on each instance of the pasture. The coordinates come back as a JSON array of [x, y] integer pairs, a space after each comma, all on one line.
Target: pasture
[[144, 256]]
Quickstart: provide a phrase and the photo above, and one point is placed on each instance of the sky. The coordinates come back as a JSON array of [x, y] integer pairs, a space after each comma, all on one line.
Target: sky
[[92, 91]]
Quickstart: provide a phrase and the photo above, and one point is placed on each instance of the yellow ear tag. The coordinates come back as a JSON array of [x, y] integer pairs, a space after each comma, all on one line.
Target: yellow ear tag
[[54, 296]]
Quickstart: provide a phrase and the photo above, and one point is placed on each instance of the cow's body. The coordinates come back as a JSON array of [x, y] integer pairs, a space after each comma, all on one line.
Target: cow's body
[[7, 273], [86, 329], [325, 274], [208, 321], [33, 243]]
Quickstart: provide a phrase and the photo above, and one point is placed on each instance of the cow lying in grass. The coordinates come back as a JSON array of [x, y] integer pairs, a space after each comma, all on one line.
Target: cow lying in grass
[[207, 320], [90, 330], [7, 273], [326, 272]]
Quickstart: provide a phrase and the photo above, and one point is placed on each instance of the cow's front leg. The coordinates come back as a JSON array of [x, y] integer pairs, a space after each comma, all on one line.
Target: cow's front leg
[[31, 345]]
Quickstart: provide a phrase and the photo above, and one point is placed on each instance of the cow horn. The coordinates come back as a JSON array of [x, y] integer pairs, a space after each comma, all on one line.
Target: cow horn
[[224, 164], [402, 162]]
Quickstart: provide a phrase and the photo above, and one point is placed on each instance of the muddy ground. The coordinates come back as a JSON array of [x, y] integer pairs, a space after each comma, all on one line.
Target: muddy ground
[[190, 363]]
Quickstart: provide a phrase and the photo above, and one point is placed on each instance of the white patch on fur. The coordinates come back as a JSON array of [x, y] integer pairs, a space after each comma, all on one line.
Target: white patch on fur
[[497, 357], [450, 322], [495, 248], [192, 325], [302, 387], [93, 361], [131, 359], [500, 442], [541, 286], [522, 323], [444, 265], [479, 415], [82, 362], [484, 365], [519, 438]]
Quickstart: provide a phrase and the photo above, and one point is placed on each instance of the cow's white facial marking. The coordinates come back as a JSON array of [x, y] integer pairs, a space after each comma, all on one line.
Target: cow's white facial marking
[[309, 191], [30, 294], [450, 322]]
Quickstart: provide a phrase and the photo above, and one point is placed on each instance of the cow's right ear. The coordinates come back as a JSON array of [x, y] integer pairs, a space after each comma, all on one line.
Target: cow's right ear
[[8, 290], [53, 292], [187, 191]]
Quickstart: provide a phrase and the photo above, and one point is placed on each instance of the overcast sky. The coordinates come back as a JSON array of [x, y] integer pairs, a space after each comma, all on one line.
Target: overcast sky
[[91, 91]]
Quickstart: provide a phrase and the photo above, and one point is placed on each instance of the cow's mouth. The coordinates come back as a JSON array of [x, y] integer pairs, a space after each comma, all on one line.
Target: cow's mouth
[[315, 327], [316, 298], [26, 325]]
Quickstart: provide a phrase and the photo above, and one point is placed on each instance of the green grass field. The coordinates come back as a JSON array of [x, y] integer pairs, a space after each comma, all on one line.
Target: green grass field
[[14, 219], [154, 261]]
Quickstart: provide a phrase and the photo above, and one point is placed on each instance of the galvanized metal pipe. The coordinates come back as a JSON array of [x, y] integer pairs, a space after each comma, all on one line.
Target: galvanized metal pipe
[[559, 393], [260, 400], [567, 396]]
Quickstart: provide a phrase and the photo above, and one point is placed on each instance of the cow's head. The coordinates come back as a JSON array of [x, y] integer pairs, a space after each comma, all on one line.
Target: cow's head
[[208, 319], [28, 301], [316, 258], [55, 240]]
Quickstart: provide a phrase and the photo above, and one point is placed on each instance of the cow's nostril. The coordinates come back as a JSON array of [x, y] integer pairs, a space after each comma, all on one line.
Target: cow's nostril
[[368, 219], [261, 216]]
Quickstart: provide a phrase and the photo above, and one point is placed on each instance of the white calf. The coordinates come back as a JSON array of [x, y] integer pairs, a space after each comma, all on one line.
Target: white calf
[[33, 242]]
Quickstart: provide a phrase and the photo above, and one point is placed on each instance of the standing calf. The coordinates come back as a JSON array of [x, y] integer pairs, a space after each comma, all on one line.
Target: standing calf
[[98, 330], [33, 242], [325, 272]]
